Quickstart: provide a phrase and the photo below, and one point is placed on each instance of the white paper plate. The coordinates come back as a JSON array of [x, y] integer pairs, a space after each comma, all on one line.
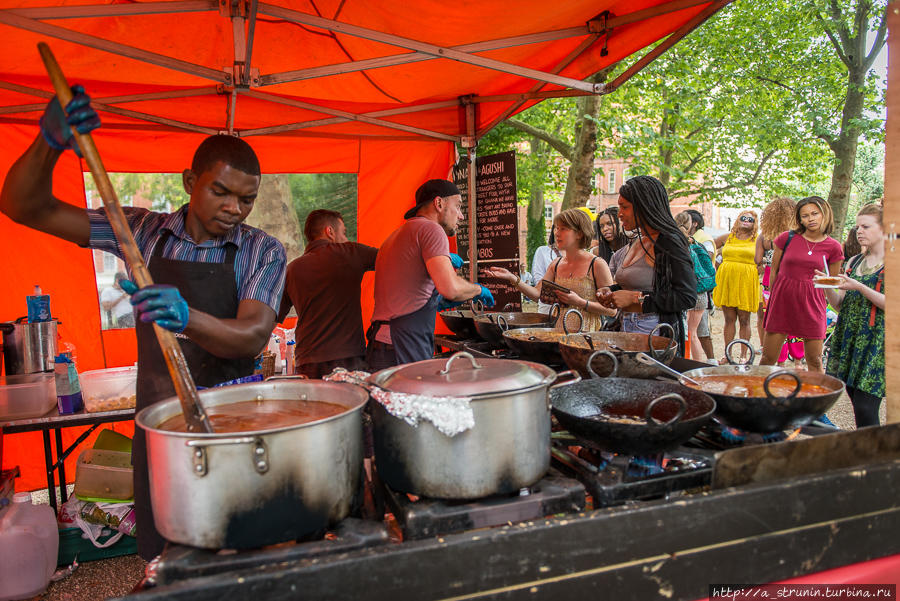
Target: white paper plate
[[832, 286]]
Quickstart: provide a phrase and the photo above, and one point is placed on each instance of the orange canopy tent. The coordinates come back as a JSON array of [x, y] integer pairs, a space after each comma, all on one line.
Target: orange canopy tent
[[381, 89]]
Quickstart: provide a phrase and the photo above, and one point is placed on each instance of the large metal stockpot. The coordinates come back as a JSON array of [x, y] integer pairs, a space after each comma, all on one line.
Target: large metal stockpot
[[508, 448], [248, 489]]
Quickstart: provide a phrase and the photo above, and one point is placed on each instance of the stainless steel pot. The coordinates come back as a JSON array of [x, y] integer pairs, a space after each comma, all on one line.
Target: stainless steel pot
[[29, 348], [507, 449], [249, 489]]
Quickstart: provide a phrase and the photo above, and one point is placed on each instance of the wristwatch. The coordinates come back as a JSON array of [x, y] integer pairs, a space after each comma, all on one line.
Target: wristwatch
[[516, 283]]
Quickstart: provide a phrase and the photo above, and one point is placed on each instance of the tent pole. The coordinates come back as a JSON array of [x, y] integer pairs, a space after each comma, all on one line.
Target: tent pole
[[471, 143]]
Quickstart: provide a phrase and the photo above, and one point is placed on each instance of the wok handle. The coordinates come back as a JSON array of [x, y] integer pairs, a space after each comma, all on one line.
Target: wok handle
[[509, 307], [742, 342], [615, 360], [682, 407], [461, 354], [554, 313], [580, 320], [502, 323], [589, 340], [778, 374], [477, 306], [571, 374], [658, 354]]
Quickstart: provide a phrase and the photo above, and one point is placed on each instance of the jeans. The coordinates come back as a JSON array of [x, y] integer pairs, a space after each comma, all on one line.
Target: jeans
[[642, 323]]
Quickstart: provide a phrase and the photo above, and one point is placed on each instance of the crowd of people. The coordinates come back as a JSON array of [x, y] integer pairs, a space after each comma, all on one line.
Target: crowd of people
[[221, 285], [648, 267]]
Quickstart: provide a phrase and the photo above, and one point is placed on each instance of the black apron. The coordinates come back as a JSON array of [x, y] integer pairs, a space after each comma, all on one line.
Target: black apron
[[207, 287], [412, 335]]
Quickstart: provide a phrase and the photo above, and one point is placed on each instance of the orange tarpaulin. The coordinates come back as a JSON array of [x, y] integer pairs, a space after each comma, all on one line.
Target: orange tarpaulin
[[374, 88]]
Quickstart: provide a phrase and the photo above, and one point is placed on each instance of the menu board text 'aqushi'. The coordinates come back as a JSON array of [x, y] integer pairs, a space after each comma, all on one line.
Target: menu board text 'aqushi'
[[496, 211], [496, 215]]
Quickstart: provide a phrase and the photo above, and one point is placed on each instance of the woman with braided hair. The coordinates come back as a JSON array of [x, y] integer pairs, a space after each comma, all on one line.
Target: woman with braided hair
[[655, 281], [609, 233]]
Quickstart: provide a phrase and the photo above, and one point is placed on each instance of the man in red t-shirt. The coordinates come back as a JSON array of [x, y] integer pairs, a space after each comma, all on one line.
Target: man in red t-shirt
[[323, 285], [413, 275]]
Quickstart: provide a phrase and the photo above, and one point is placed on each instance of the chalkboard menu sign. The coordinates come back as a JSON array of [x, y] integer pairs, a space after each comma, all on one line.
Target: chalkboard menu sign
[[497, 220]]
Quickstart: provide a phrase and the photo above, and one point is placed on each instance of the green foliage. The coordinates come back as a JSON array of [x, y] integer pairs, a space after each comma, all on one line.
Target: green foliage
[[335, 191], [740, 110], [164, 191]]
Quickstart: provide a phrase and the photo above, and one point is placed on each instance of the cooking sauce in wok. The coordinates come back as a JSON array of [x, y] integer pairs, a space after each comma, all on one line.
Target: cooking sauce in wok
[[249, 416], [752, 386]]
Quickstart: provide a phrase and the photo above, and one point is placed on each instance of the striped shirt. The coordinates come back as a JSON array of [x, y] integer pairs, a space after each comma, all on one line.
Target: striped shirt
[[258, 264]]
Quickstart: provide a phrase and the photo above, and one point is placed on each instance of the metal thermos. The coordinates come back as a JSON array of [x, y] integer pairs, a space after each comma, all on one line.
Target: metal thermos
[[29, 347]]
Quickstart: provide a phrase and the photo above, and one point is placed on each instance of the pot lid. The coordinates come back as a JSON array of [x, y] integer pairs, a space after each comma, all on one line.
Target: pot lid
[[463, 376]]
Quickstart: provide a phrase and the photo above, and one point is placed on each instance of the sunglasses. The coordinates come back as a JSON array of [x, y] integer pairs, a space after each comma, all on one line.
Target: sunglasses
[[747, 219]]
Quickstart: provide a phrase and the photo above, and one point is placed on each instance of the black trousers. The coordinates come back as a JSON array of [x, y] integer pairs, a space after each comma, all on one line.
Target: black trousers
[[865, 407]]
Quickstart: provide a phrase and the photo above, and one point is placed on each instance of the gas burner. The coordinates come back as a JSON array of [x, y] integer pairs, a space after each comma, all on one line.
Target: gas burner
[[179, 562], [613, 479], [420, 517], [718, 436]]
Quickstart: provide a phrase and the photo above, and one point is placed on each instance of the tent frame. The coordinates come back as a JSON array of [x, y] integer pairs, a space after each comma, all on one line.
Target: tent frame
[[242, 79]]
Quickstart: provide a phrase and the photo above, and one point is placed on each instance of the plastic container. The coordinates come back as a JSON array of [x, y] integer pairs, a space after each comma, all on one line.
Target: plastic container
[[104, 476], [27, 395], [29, 545], [109, 389]]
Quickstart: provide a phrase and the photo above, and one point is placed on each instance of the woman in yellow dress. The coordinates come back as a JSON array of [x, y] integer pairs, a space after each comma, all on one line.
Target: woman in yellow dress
[[737, 277]]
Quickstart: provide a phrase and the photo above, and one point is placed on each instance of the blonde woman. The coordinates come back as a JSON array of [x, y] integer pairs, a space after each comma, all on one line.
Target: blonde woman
[[857, 347], [737, 278], [578, 270]]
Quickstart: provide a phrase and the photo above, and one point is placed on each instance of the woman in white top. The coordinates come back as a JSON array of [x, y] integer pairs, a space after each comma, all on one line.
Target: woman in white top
[[543, 256], [577, 270]]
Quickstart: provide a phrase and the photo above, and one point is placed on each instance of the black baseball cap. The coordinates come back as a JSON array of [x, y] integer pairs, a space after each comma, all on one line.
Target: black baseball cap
[[427, 192]]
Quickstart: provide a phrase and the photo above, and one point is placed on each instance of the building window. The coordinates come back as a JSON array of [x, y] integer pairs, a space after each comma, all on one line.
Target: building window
[[611, 182], [548, 212]]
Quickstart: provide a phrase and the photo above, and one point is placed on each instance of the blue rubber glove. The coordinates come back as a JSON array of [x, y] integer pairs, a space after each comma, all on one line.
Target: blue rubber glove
[[446, 304], [456, 260], [159, 303], [55, 125], [485, 296]]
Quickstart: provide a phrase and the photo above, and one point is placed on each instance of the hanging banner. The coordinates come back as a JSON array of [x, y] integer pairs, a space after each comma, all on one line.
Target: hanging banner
[[497, 219]]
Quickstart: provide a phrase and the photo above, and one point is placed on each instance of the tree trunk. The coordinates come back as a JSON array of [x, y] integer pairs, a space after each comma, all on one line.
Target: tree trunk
[[537, 234], [666, 148], [274, 213], [581, 168], [844, 149]]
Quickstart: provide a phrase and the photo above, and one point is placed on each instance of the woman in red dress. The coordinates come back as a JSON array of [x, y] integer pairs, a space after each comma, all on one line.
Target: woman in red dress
[[796, 307]]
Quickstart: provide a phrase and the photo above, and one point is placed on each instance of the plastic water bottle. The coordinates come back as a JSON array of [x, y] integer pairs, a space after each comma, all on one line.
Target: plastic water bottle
[[29, 544]]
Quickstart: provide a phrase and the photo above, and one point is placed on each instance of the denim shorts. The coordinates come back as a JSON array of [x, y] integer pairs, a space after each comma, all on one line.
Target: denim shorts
[[642, 323]]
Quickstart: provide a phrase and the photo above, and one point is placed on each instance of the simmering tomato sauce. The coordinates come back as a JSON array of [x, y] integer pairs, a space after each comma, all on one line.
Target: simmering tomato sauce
[[741, 385], [269, 414]]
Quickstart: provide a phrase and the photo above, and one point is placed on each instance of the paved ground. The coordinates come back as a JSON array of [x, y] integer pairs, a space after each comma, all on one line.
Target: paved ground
[[117, 576]]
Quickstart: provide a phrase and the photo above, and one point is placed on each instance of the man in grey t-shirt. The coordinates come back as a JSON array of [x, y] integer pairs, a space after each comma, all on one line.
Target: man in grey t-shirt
[[413, 273]]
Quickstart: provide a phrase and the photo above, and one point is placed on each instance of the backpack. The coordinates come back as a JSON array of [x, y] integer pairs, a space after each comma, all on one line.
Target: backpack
[[703, 268]]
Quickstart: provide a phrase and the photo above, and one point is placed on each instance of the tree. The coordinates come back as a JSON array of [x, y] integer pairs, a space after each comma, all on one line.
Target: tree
[[846, 29], [744, 107]]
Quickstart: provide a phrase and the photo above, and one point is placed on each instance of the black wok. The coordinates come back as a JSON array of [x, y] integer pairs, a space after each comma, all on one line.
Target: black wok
[[771, 413], [490, 326], [539, 344], [577, 351], [636, 417], [460, 322]]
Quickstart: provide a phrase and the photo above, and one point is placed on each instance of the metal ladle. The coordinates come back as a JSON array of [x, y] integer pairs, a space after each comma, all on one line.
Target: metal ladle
[[648, 360]]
